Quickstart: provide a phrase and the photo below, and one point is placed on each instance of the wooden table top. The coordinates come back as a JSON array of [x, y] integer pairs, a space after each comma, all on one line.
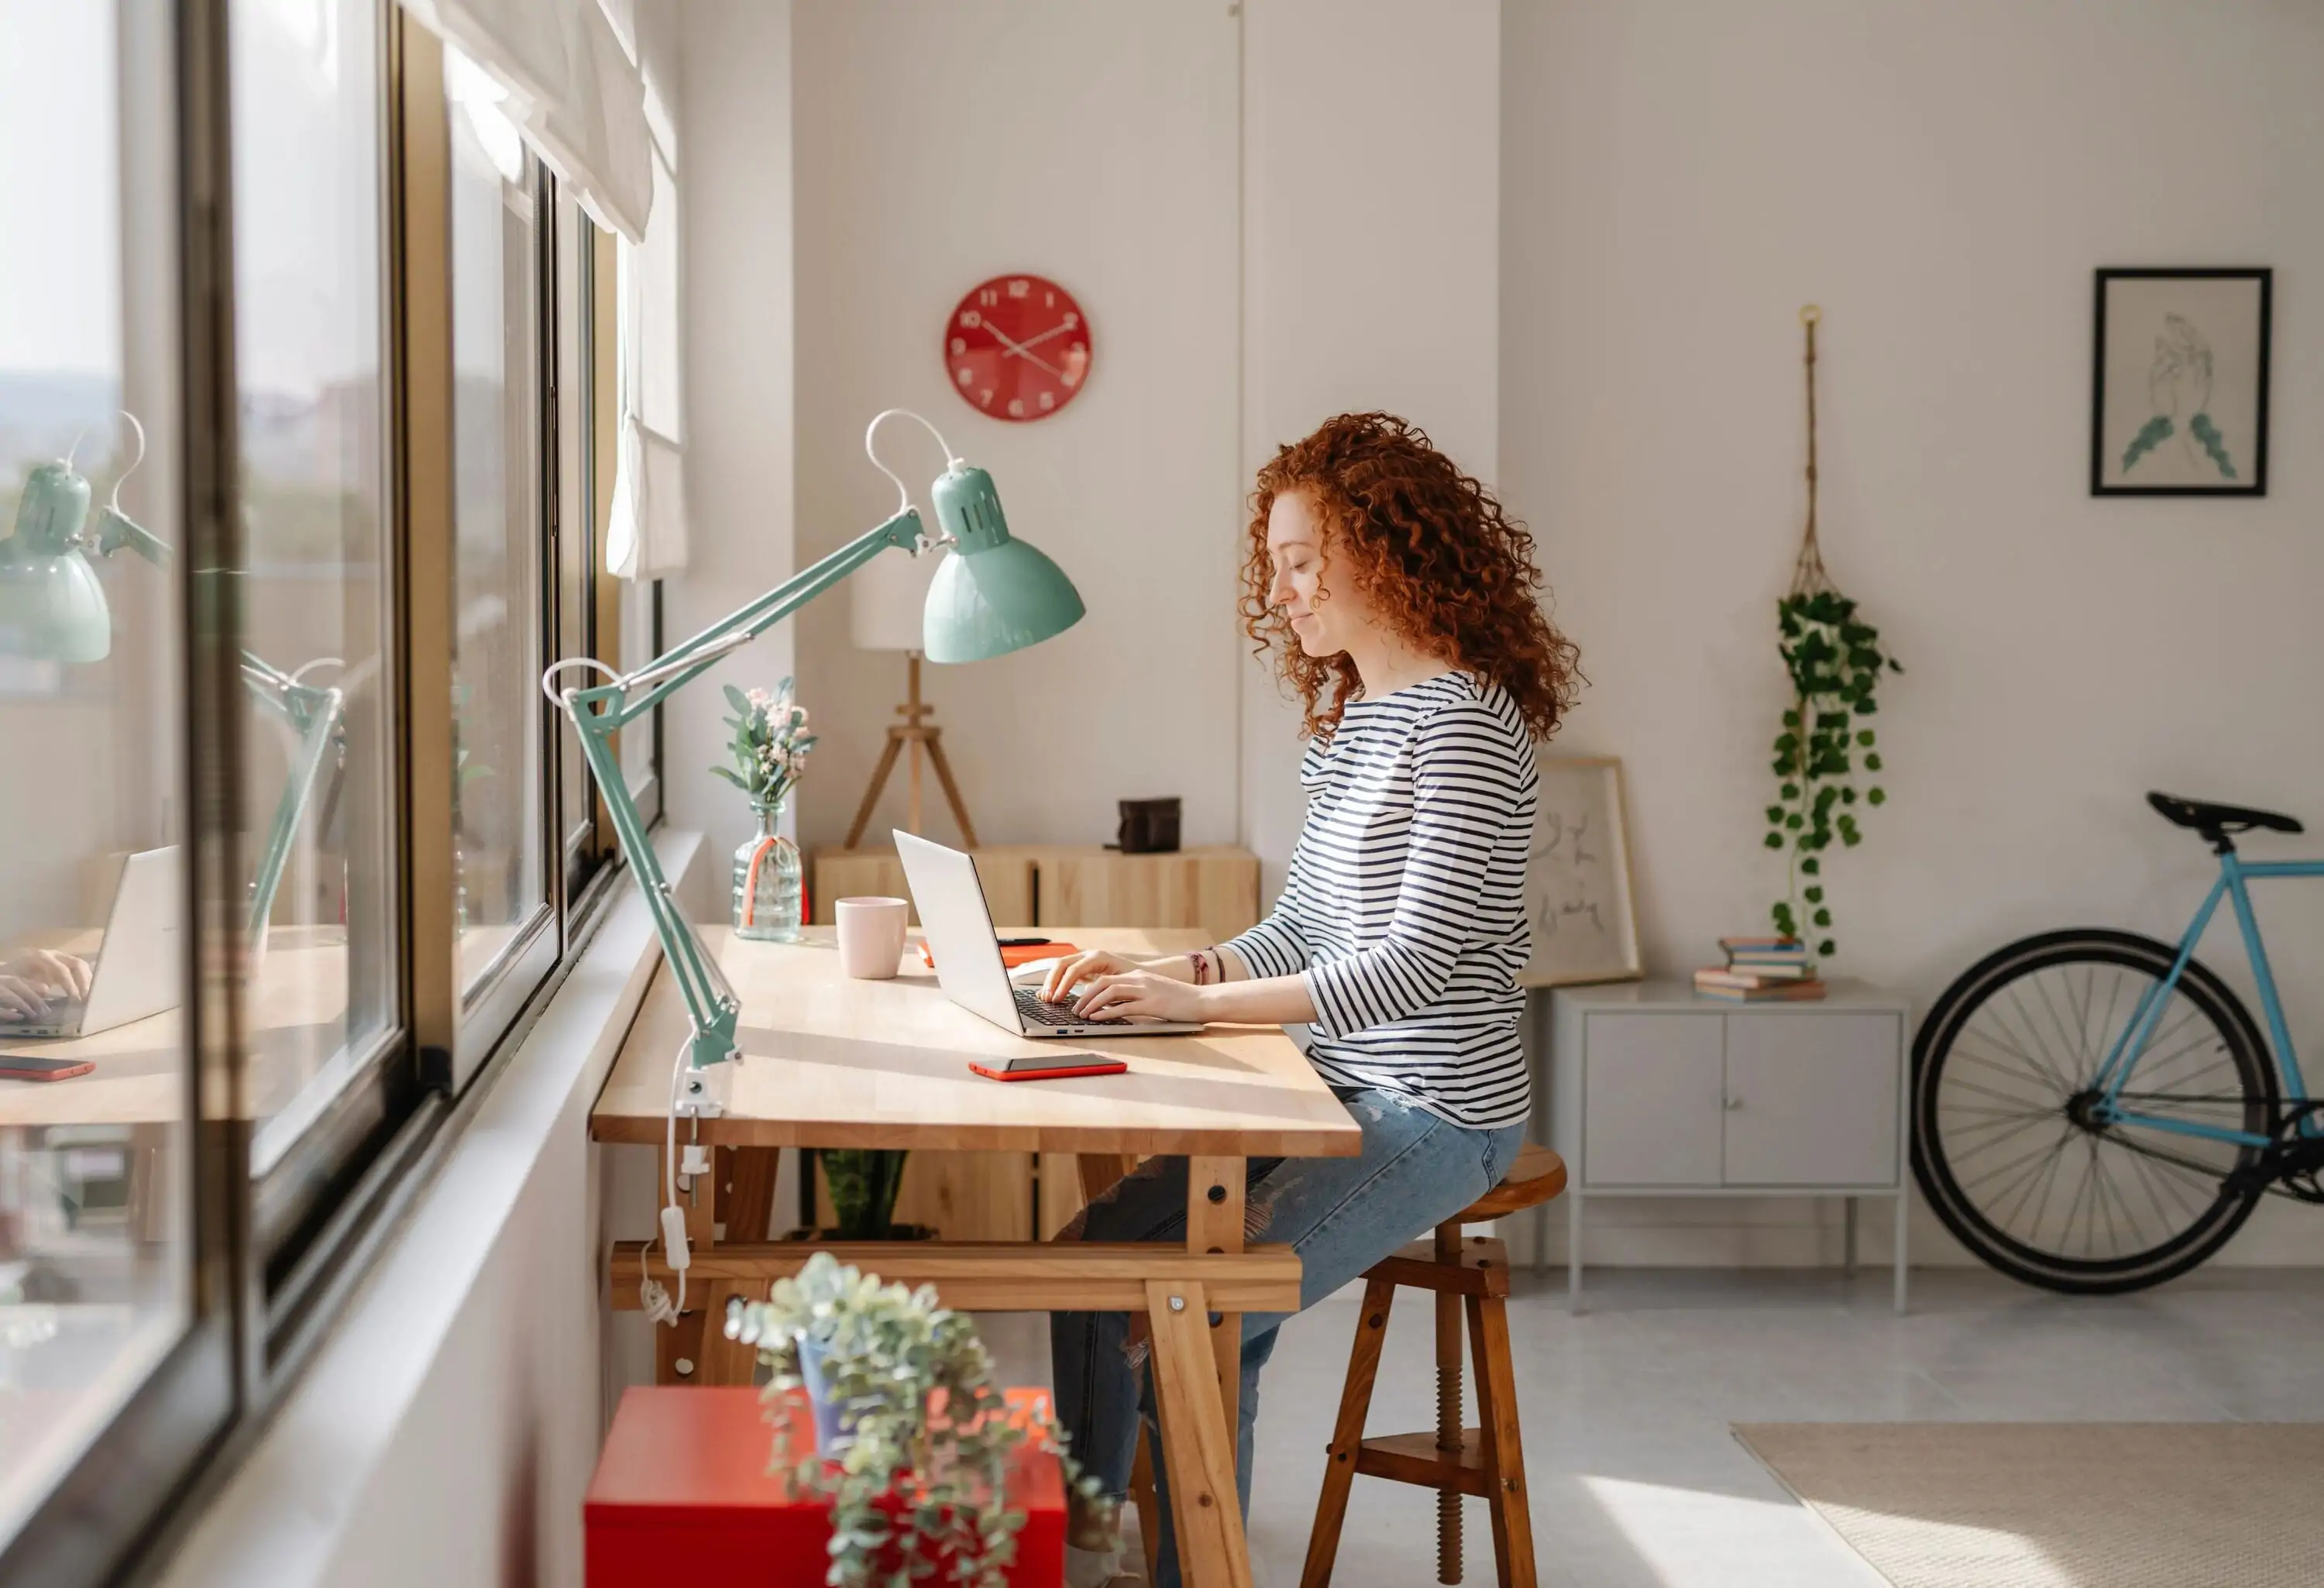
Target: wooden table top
[[299, 1024], [833, 1062]]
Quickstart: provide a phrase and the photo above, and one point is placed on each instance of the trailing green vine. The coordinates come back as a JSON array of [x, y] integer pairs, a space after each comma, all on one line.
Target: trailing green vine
[[1835, 662]]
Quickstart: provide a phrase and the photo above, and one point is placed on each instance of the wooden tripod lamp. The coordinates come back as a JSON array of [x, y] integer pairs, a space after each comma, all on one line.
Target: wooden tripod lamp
[[888, 597]]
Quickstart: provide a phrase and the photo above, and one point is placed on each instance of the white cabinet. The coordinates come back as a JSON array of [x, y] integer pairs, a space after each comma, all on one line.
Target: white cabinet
[[1656, 1092], [1650, 1114], [1812, 1102]]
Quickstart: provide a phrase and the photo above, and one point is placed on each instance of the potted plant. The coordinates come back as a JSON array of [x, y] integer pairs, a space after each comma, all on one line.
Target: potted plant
[[863, 1182], [913, 1437], [768, 750]]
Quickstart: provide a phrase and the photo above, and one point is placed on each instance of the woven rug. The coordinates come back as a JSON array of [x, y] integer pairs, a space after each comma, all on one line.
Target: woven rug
[[2063, 1505]]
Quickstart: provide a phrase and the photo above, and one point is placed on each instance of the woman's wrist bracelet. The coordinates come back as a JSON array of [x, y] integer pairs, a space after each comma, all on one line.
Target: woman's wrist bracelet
[[1201, 962]]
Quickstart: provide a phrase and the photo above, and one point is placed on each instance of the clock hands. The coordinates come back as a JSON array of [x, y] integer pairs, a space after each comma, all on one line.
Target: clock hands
[[1059, 329], [1018, 348]]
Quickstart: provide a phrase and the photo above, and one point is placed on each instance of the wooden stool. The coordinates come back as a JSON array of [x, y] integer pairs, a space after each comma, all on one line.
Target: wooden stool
[[1487, 1461]]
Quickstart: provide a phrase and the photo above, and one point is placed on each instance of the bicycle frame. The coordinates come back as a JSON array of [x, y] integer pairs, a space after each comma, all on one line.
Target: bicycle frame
[[2113, 1075]]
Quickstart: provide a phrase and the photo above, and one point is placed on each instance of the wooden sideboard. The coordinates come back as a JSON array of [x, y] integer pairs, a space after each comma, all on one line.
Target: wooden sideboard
[[1055, 888]]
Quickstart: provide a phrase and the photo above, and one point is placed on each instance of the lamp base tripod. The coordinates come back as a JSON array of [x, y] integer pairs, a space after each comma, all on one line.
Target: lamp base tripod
[[920, 736]]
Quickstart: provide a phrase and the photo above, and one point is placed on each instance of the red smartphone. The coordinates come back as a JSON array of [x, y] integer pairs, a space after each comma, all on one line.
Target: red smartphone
[[25, 1067], [1050, 1066]]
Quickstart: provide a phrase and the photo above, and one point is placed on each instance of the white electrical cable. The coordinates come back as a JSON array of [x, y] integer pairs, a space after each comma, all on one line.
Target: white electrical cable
[[115, 502], [651, 1295], [903, 497], [562, 701]]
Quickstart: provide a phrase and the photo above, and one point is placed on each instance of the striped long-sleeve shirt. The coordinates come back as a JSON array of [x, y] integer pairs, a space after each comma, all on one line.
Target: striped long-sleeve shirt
[[1405, 905]]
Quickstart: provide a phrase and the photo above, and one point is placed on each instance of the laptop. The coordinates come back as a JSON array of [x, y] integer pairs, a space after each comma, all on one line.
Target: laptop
[[959, 926], [139, 963]]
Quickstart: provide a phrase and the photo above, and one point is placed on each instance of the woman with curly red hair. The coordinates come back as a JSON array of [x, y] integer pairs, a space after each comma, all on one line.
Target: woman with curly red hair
[[1401, 604]]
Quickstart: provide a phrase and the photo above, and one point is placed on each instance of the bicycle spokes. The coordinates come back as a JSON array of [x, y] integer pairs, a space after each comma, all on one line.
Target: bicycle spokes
[[2021, 1146]]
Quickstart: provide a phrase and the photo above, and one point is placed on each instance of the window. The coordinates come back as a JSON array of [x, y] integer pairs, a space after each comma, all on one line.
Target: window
[[385, 493], [318, 775], [109, 1359], [502, 879]]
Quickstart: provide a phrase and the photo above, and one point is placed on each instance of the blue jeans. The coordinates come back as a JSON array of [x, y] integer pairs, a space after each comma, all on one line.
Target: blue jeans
[[1340, 1214]]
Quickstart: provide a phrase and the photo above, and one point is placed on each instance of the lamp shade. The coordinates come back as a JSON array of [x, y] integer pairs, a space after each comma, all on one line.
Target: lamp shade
[[52, 607], [994, 593]]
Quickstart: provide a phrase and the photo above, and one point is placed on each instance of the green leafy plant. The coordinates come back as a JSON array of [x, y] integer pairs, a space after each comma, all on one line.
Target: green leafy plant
[[925, 1428], [863, 1182], [2214, 444], [770, 743], [2151, 435], [1835, 661]]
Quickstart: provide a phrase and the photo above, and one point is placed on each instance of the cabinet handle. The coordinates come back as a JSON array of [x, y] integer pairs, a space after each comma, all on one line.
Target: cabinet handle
[[1733, 1103]]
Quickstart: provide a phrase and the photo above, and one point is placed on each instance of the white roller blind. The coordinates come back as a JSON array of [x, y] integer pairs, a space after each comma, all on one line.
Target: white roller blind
[[648, 535], [572, 91]]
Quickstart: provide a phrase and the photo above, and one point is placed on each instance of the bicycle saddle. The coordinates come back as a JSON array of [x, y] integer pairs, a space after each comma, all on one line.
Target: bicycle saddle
[[2212, 820]]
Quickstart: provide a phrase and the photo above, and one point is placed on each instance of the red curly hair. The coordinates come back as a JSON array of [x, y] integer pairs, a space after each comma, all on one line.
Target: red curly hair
[[1432, 551]]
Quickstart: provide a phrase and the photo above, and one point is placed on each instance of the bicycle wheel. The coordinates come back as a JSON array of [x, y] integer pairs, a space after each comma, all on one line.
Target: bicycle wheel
[[2003, 1145]]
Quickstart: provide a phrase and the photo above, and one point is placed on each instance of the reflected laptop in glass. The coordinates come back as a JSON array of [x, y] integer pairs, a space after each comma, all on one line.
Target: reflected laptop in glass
[[139, 960], [959, 926]]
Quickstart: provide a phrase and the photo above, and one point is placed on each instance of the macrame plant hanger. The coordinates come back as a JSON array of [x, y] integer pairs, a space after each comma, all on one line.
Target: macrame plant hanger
[[1808, 578]]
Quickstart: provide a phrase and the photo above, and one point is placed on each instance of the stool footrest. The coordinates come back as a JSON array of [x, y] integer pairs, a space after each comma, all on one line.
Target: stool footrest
[[1413, 1458], [1483, 1268]]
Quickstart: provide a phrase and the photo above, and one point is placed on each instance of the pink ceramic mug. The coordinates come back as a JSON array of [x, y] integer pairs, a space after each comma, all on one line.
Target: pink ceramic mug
[[871, 936]]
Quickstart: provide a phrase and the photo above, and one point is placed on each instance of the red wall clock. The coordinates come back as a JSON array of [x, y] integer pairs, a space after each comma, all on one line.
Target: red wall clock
[[1017, 347]]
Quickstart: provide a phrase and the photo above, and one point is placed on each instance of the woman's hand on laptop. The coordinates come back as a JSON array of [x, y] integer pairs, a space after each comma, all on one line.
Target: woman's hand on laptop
[[1074, 969], [28, 980], [1142, 993], [1118, 986]]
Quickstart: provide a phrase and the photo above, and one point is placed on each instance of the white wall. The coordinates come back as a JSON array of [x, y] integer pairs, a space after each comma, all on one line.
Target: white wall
[[940, 144], [1371, 215], [1678, 179], [734, 188]]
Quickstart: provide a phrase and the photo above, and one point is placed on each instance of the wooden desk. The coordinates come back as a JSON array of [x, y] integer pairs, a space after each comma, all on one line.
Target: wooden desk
[[833, 1063]]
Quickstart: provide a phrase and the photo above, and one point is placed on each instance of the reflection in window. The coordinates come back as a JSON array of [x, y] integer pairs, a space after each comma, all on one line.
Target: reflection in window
[[497, 816], [308, 339], [93, 1226]]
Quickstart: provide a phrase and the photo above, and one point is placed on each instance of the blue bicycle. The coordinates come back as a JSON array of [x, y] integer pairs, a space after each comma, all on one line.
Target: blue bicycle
[[2096, 1111]]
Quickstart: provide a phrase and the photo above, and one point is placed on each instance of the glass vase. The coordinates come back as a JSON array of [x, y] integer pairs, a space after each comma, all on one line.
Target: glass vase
[[767, 876]]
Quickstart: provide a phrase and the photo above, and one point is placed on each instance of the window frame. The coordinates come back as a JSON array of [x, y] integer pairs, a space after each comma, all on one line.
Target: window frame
[[262, 1297]]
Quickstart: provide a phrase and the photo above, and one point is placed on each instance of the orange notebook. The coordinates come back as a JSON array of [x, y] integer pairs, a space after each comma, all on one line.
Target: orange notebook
[[1013, 956]]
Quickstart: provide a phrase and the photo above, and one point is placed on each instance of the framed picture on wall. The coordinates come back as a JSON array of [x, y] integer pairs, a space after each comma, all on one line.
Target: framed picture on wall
[[2179, 395], [1578, 878]]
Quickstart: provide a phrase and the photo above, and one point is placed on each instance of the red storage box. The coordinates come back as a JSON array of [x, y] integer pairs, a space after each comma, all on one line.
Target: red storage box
[[682, 1494]]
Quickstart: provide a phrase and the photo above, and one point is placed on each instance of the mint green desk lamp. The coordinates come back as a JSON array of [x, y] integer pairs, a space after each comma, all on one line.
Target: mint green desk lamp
[[994, 593], [52, 608]]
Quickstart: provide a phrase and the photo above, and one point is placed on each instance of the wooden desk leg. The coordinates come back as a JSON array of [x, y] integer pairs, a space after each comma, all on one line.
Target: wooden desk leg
[[678, 1351], [1197, 1442], [1214, 1215]]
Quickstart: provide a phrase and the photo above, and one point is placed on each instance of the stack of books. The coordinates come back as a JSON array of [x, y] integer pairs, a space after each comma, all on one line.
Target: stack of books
[[1761, 970]]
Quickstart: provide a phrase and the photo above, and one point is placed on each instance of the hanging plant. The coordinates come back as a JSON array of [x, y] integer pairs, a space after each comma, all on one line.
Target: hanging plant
[[1835, 662]]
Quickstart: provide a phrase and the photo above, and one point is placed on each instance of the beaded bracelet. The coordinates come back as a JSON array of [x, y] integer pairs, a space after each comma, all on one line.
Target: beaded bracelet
[[1202, 964]]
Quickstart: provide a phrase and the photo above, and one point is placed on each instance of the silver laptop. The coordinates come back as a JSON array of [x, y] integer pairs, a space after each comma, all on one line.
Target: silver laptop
[[959, 928], [139, 963]]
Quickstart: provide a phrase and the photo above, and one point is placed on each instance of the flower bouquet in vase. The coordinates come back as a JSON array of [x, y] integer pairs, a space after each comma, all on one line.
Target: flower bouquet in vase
[[769, 751]]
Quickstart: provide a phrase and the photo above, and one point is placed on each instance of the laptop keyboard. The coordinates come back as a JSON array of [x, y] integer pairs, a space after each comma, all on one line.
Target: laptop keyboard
[[1041, 1012]]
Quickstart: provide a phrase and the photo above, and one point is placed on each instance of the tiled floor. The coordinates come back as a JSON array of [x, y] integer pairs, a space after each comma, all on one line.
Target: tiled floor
[[1636, 1483]]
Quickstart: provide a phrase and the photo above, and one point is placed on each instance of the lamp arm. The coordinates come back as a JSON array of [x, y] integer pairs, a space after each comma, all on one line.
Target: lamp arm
[[314, 713], [599, 712]]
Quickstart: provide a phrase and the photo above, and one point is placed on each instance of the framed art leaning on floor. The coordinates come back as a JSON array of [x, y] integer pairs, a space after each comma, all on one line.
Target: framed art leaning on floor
[[1578, 878], [2179, 383]]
